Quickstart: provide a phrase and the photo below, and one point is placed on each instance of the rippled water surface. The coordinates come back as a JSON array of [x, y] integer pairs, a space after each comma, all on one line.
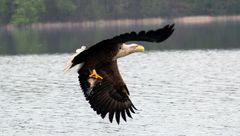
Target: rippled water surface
[[178, 93]]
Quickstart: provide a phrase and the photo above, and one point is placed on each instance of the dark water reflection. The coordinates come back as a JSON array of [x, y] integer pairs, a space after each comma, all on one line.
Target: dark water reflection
[[224, 35]]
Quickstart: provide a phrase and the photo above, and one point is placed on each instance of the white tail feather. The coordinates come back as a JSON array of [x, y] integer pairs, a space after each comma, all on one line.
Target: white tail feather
[[69, 63]]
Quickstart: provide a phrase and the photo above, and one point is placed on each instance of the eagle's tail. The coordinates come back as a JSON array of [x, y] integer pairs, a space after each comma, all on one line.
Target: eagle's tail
[[69, 64]]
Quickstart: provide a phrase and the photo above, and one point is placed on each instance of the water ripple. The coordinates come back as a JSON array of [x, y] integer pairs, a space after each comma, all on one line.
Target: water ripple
[[177, 93]]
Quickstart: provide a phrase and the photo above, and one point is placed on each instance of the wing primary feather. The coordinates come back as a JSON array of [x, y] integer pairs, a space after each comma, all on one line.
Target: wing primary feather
[[118, 111], [112, 109], [128, 113], [111, 114], [103, 114], [131, 109], [99, 105], [123, 115], [109, 107], [134, 107], [117, 116], [105, 111]]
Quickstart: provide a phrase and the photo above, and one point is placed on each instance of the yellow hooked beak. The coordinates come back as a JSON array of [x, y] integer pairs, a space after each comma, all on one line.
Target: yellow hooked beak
[[139, 48]]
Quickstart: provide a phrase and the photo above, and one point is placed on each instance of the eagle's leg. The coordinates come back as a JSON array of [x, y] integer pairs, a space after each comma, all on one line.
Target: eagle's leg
[[94, 75]]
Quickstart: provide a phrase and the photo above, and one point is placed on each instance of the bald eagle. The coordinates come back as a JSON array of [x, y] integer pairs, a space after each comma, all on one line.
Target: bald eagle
[[99, 76]]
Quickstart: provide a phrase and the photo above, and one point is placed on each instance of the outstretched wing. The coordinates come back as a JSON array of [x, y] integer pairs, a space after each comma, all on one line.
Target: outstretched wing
[[108, 95], [158, 35]]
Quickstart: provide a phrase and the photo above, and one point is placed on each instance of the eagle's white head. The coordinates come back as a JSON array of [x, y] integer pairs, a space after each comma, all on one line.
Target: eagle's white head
[[126, 49]]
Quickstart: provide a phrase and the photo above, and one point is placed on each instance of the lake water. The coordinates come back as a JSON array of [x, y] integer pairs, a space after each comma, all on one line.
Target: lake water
[[178, 93], [186, 86], [216, 35]]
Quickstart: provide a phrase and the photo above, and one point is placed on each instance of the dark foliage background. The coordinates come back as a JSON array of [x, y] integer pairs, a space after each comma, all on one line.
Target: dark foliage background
[[30, 11]]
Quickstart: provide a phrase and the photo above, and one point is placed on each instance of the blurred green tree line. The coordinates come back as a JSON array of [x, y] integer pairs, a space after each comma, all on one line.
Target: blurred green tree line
[[21, 12]]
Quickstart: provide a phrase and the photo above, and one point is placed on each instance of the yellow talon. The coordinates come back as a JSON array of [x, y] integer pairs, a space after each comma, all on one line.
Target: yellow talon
[[93, 74]]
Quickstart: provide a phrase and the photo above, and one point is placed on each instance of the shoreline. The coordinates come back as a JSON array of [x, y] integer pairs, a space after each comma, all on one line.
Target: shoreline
[[187, 20]]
